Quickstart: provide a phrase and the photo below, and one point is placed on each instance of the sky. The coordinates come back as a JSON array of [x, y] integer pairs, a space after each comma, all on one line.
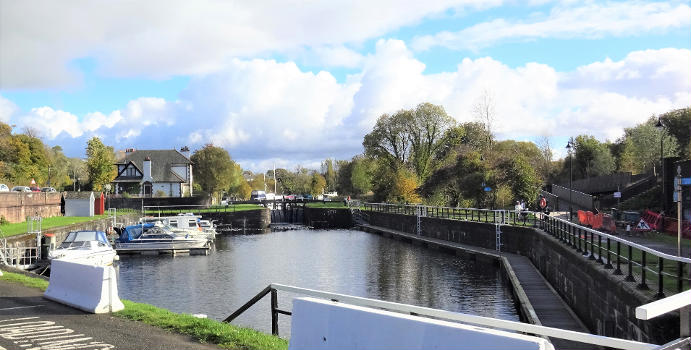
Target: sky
[[294, 82]]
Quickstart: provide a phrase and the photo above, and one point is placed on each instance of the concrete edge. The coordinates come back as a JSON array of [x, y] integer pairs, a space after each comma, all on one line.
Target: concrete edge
[[22, 272]]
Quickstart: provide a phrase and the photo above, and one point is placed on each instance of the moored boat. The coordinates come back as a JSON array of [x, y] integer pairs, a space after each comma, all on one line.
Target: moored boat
[[89, 247], [150, 236]]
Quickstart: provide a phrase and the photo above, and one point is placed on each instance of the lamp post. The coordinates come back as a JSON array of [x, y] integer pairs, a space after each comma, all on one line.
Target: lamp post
[[569, 147], [663, 198]]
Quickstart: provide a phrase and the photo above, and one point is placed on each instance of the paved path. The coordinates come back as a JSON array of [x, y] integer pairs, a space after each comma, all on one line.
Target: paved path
[[27, 321], [549, 307]]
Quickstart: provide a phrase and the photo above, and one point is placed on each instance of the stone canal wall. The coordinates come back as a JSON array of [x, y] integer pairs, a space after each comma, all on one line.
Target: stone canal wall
[[241, 221], [329, 218], [16, 206], [601, 300]]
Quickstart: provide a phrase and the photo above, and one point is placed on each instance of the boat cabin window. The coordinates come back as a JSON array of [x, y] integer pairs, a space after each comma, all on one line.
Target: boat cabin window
[[193, 223], [173, 223], [82, 238]]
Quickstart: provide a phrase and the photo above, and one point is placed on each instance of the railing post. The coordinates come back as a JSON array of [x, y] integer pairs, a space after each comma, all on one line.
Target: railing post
[[680, 276], [592, 246], [618, 269], [274, 312], [630, 278], [643, 285], [599, 249], [608, 265], [585, 244], [660, 277]]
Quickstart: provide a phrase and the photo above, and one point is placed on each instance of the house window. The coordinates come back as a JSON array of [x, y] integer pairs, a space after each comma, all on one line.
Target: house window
[[131, 172]]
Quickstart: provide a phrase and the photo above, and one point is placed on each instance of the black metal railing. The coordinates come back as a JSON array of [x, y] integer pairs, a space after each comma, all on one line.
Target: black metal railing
[[667, 274], [507, 217]]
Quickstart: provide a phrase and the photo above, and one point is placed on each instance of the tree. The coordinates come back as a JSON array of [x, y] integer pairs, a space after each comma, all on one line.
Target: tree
[[410, 138], [213, 168], [244, 190], [318, 184], [100, 160], [592, 158], [485, 112], [405, 187], [330, 174], [639, 149], [360, 176], [678, 124]]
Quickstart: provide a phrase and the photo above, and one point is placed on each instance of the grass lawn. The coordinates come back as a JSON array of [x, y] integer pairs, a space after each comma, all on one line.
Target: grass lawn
[[204, 330], [56, 221], [334, 204]]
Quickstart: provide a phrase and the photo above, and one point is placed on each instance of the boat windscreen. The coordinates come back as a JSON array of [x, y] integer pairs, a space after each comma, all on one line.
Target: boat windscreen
[[81, 236], [132, 232]]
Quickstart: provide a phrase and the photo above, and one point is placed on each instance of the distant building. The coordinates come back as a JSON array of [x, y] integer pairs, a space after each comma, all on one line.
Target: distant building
[[146, 172]]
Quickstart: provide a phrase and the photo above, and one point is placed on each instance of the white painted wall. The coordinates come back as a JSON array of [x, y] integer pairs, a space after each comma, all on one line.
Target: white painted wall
[[171, 189], [146, 169], [321, 324], [79, 207]]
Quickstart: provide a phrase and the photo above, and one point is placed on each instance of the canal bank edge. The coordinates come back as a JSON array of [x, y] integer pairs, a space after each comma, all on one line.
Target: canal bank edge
[[602, 301], [202, 330]]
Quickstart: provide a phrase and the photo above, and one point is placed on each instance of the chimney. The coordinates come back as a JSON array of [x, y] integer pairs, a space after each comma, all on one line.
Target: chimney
[[185, 151], [147, 169], [129, 151]]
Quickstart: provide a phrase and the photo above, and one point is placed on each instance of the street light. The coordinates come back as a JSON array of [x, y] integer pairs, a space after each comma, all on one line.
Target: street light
[[663, 198], [569, 147]]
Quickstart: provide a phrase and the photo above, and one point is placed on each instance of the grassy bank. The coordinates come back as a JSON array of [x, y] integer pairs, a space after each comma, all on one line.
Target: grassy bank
[[203, 330], [19, 228]]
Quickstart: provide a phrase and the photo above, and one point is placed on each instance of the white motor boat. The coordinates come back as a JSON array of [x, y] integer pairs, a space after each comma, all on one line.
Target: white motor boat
[[208, 227], [88, 247], [157, 237], [188, 224]]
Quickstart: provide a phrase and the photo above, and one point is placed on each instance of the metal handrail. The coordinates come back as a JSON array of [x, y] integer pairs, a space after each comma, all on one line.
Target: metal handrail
[[617, 239], [438, 314]]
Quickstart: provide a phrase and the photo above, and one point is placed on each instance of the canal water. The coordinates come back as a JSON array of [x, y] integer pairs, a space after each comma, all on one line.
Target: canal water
[[339, 261]]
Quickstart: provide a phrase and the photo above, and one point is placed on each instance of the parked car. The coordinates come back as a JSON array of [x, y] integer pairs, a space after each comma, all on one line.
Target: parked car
[[35, 189], [21, 189], [257, 196], [48, 189], [4, 188]]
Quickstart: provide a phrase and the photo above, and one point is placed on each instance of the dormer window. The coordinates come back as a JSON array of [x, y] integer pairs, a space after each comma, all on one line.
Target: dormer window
[[131, 172]]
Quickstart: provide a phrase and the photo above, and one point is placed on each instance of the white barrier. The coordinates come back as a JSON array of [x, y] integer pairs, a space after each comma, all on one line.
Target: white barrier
[[321, 324], [87, 287]]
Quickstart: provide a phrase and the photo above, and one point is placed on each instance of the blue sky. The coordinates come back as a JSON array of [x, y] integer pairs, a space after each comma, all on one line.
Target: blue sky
[[296, 84]]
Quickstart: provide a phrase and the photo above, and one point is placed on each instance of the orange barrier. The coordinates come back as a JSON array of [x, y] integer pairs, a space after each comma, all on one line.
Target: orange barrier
[[582, 218], [591, 218]]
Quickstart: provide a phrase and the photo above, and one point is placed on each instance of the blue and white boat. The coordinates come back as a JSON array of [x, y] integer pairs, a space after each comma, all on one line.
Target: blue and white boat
[[149, 236], [88, 247]]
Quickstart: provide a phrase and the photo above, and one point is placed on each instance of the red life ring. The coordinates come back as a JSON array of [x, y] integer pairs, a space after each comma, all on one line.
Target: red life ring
[[543, 202]]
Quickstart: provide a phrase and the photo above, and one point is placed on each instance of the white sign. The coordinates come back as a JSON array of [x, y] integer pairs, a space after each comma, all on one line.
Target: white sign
[[617, 194]]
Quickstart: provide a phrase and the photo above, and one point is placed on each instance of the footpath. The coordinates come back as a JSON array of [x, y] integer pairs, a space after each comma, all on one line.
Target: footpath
[[28, 321]]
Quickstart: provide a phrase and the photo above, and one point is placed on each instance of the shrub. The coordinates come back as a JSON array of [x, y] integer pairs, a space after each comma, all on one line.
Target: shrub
[[160, 193]]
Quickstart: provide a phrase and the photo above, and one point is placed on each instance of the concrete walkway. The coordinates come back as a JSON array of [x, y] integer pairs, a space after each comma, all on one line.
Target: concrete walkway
[[27, 321], [551, 311]]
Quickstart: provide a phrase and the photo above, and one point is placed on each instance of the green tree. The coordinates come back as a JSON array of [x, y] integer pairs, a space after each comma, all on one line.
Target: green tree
[[213, 168], [244, 190], [592, 158], [317, 185], [639, 149], [330, 174], [678, 124], [99, 163], [410, 138], [360, 176]]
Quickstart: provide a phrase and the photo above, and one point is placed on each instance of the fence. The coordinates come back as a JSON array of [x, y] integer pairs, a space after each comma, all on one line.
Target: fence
[[665, 272], [512, 217]]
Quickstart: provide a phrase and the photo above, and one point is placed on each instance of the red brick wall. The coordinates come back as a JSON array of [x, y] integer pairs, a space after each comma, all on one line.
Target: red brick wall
[[16, 206]]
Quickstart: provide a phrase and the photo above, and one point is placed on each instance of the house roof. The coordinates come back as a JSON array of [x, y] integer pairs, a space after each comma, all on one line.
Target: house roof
[[161, 163], [78, 195]]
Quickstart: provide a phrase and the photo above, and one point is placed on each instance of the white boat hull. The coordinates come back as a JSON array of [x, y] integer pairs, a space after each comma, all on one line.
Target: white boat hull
[[173, 245]]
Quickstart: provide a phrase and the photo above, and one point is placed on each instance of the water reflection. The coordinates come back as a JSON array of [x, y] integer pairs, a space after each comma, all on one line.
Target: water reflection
[[340, 261]]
